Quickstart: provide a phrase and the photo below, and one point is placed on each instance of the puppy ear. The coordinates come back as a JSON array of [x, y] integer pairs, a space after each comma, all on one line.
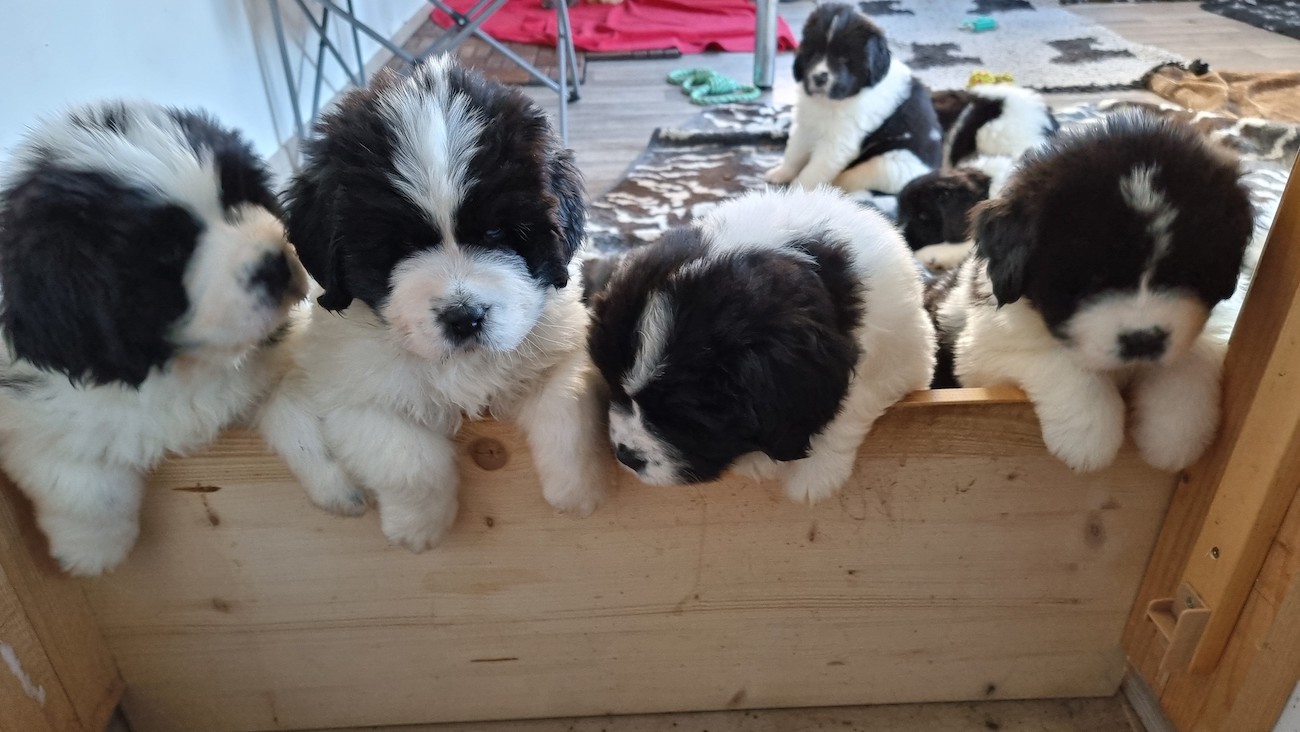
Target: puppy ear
[[92, 275], [798, 66], [311, 227], [878, 57], [1003, 237], [570, 216]]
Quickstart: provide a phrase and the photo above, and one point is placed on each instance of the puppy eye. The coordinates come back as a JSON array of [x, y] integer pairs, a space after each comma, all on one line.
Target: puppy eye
[[493, 235]]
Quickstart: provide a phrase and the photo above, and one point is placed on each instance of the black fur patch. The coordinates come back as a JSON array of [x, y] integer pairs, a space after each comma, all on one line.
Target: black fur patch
[[352, 226], [757, 359], [935, 207], [948, 105], [91, 271], [1062, 234], [979, 112], [913, 127]]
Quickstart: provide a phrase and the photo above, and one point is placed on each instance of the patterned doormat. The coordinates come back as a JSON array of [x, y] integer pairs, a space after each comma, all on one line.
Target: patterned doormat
[[1279, 16], [724, 150], [1043, 46]]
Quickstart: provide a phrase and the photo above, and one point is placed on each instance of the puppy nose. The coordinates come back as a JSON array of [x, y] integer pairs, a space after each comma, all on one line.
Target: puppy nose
[[628, 457], [1148, 344], [463, 321], [270, 276], [820, 78]]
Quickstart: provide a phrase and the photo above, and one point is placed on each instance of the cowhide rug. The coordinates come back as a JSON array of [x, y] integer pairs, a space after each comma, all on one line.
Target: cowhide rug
[[724, 151]]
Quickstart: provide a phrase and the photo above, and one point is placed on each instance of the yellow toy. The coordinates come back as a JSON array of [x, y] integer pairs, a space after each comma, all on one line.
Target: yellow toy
[[989, 77]]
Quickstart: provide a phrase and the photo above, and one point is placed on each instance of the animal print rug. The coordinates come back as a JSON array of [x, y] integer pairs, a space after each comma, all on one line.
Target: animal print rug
[[1043, 46], [724, 151]]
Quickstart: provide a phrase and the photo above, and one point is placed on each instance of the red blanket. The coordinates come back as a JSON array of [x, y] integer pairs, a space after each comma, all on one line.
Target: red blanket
[[691, 26]]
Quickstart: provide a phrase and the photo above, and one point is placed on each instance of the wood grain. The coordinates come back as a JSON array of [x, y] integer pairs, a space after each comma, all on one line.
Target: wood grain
[[1234, 500], [961, 563], [49, 629]]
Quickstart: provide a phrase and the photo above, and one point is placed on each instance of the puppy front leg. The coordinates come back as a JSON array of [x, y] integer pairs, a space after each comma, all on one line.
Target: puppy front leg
[[887, 173], [824, 165], [1176, 408], [410, 468], [89, 512], [835, 449], [1081, 412], [798, 148], [564, 424], [293, 431]]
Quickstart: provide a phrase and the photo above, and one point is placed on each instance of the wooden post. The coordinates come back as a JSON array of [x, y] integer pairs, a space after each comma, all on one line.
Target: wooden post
[[56, 672], [1223, 526]]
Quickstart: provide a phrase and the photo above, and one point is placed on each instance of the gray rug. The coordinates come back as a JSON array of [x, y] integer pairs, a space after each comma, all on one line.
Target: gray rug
[[1043, 46], [1279, 16], [724, 150]]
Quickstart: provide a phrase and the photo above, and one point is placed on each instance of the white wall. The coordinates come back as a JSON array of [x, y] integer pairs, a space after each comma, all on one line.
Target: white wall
[[217, 54], [1290, 721]]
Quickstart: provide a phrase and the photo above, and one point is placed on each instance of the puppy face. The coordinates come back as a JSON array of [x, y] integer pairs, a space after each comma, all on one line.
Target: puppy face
[[935, 207], [841, 53], [1122, 235], [131, 234], [442, 201], [710, 357]]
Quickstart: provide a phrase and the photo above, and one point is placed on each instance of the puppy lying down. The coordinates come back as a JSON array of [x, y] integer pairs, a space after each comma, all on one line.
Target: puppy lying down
[[770, 336]]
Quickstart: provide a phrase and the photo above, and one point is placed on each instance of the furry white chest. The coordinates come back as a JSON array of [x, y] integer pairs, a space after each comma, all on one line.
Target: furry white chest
[[173, 411], [354, 358]]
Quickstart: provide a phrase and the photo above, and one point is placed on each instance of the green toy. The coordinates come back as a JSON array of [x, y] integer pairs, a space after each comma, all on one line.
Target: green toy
[[705, 86], [979, 25]]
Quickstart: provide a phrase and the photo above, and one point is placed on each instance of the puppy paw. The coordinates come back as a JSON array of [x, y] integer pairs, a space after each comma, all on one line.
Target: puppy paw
[[416, 531], [1171, 431], [579, 497], [780, 175], [336, 494], [87, 550], [818, 477], [757, 466], [1089, 437]]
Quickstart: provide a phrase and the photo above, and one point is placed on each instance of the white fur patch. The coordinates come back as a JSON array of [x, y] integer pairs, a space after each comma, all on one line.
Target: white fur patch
[[430, 282], [436, 135], [627, 428], [1095, 329], [655, 325]]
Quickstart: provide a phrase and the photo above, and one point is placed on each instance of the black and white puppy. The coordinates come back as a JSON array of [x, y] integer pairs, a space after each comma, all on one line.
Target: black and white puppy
[[861, 120], [440, 215], [1093, 277], [934, 214], [770, 336], [145, 277], [987, 129], [995, 120]]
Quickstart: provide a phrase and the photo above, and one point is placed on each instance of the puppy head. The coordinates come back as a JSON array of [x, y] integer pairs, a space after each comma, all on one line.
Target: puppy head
[[1122, 235], [841, 53], [131, 234], [710, 357], [442, 201], [935, 207]]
